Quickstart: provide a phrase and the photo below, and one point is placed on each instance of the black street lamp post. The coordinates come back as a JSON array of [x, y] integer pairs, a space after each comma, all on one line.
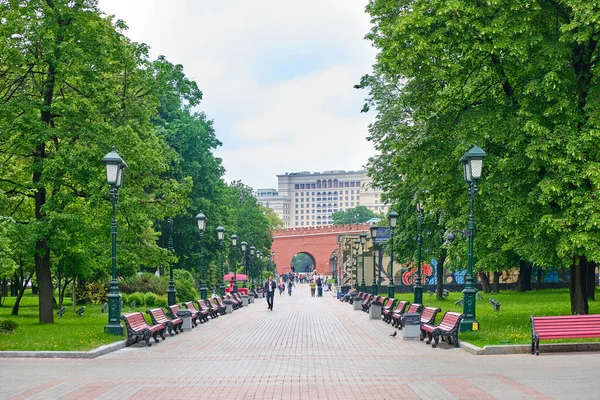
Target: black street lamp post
[[221, 238], [245, 254], [472, 163], [171, 292], [393, 219], [418, 288], [114, 177], [356, 247], [234, 252], [334, 257], [363, 241], [274, 265], [252, 265], [201, 219], [373, 231]]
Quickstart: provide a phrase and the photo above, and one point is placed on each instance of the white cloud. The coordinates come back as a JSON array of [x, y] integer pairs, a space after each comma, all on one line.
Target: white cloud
[[277, 77]]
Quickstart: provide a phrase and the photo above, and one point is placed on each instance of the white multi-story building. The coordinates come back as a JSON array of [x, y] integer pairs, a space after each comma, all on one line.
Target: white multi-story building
[[309, 199]]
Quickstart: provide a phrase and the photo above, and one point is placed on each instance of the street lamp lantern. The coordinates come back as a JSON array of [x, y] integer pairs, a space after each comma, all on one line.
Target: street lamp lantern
[[472, 162], [114, 177], [201, 219], [393, 220], [114, 168], [373, 231], [221, 238], [418, 288]]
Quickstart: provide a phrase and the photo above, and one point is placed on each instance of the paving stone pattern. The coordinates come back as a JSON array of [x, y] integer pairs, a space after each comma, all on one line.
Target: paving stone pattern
[[307, 348]]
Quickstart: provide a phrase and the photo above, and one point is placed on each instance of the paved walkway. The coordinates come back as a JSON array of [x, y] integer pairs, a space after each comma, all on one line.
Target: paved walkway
[[307, 348]]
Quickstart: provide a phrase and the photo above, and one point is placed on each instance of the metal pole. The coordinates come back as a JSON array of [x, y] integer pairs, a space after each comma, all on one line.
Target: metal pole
[[418, 288], [470, 322], [363, 286], [171, 292], [374, 288], [391, 288], [114, 298], [203, 281], [222, 287]]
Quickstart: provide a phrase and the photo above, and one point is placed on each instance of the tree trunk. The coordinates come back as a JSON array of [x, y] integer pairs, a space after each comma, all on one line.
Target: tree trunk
[[497, 275], [577, 287], [74, 294], [440, 274], [539, 278], [14, 288], [22, 287], [524, 280], [484, 277], [590, 290]]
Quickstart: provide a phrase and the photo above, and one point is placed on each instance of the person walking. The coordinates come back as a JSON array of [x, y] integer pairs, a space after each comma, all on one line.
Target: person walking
[[319, 287], [290, 284], [281, 287], [270, 292], [312, 288]]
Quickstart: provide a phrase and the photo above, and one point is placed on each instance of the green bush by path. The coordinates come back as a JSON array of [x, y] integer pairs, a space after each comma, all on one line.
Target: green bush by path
[[510, 325]]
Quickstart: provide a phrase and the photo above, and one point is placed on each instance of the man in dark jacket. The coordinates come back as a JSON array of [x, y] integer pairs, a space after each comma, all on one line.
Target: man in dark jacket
[[270, 291]]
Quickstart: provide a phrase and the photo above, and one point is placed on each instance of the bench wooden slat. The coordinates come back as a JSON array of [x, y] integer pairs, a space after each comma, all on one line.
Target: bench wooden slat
[[138, 327], [448, 327], [563, 327]]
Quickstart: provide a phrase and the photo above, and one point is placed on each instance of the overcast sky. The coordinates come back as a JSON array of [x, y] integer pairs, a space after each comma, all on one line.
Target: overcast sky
[[277, 77]]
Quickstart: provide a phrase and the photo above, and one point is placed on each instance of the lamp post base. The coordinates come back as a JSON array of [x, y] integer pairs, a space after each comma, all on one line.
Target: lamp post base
[[363, 287], [391, 291], [172, 294], [470, 322], [418, 294], [222, 289], [114, 326], [203, 292]]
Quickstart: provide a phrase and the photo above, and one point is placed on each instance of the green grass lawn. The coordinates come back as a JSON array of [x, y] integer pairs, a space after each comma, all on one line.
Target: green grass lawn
[[510, 325], [67, 333]]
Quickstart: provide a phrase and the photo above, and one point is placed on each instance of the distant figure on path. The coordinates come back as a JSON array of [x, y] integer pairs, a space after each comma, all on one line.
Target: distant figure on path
[[312, 288], [319, 287], [270, 292], [290, 284]]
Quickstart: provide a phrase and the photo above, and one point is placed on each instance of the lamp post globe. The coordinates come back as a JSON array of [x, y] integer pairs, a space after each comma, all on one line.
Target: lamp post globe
[[373, 231], [234, 260], [114, 177], [393, 220], [201, 220], [472, 163]]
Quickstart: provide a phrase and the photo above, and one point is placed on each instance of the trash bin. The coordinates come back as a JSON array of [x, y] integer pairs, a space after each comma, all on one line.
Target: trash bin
[[228, 306], [375, 310], [186, 316], [244, 300], [357, 305], [411, 326]]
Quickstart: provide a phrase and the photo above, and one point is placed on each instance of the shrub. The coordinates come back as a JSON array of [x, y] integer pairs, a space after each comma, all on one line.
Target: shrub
[[95, 292], [150, 299], [8, 326], [185, 291], [124, 298], [144, 283], [137, 297], [162, 302]]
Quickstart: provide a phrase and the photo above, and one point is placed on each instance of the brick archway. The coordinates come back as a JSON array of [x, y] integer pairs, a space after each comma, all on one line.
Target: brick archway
[[318, 242]]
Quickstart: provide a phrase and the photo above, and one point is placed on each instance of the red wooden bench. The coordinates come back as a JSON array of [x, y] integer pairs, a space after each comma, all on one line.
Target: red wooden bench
[[235, 302], [368, 298], [563, 327], [238, 299], [448, 327], [213, 313], [360, 296], [399, 310], [194, 315], [387, 307], [137, 328], [202, 314], [159, 317], [215, 306], [413, 308]]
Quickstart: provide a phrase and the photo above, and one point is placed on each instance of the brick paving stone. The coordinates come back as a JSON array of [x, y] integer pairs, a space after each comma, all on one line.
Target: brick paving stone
[[306, 348]]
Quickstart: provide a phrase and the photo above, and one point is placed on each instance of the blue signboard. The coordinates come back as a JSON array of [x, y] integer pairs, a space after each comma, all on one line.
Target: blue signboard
[[383, 235]]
